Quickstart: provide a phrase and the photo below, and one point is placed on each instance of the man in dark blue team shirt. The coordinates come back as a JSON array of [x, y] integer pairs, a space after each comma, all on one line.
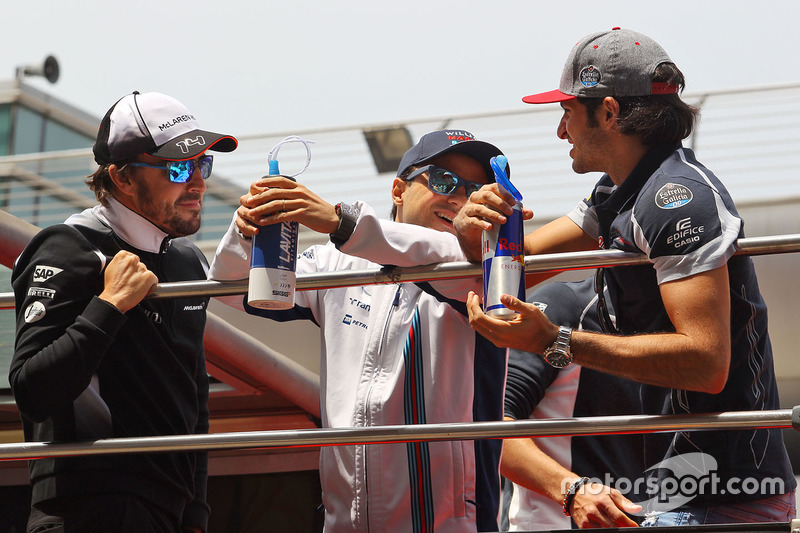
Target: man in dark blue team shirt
[[692, 325]]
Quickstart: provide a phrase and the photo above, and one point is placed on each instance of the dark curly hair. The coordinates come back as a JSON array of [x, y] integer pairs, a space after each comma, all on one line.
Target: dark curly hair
[[662, 119], [101, 183]]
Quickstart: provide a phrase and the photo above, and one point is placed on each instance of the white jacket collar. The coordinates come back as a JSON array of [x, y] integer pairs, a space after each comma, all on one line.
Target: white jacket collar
[[131, 227]]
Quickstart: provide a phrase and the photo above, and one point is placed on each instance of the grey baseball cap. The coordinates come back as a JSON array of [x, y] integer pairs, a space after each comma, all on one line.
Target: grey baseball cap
[[440, 142], [617, 62], [156, 124]]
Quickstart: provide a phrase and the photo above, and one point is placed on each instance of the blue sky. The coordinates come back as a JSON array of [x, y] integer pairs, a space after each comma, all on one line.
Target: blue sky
[[282, 66]]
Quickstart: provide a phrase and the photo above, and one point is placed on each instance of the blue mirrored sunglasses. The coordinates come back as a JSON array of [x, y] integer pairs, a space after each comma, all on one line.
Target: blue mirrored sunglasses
[[181, 171], [442, 181]]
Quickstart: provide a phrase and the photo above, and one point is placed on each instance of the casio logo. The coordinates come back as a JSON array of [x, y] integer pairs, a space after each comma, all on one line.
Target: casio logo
[[43, 272]]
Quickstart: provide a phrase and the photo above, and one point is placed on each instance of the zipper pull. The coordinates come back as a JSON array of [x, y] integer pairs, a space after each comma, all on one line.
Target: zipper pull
[[397, 296]]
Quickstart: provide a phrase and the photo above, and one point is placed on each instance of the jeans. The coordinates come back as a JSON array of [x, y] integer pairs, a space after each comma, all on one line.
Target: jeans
[[779, 508]]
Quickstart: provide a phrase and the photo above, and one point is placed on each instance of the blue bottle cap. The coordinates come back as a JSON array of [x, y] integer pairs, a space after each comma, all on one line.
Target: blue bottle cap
[[499, 164]]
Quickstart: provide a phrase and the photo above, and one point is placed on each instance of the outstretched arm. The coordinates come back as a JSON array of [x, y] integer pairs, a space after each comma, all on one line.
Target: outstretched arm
[[695, 357], [594, 505]]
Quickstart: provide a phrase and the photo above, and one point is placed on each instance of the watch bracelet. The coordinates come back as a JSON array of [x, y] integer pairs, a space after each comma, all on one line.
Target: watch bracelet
[[569, 496]]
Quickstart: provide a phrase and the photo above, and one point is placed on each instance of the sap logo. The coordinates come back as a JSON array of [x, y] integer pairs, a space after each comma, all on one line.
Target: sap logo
[[186, 143], [39, 292], [43, 272]]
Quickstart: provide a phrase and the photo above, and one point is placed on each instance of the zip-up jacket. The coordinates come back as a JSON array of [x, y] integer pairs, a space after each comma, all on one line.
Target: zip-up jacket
[[82, 370], [396, 354]]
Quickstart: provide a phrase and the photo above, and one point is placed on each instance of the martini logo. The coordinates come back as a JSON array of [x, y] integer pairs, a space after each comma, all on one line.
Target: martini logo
[[589, 76], [672, 196], [42, 273]]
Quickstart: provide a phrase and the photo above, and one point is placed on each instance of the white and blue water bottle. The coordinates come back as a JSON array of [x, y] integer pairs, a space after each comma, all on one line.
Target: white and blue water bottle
[[274, 255], [504, 252]]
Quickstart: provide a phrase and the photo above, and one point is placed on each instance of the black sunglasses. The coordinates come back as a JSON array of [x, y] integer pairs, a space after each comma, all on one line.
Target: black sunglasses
[[181, 171], [442, 181], [602, 308]]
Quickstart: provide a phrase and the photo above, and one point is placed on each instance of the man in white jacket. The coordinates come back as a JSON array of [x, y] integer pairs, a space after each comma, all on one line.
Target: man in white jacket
[[393, 354]]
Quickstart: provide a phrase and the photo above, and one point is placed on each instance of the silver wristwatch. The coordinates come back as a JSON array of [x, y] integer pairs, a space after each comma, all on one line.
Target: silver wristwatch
[[559, 354]]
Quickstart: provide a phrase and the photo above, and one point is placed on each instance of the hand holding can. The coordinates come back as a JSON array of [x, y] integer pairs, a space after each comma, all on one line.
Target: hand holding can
[[504, 253]]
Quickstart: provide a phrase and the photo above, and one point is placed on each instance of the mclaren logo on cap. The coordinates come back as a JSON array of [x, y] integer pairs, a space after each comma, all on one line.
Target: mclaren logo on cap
[[589, 76], [175, 121], [186, 143]]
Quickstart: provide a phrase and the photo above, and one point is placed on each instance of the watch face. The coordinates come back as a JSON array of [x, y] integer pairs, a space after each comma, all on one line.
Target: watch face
[[557, 358]]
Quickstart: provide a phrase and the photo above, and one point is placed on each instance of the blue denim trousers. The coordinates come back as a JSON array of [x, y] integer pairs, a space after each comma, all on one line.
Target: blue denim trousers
[[779, 508]]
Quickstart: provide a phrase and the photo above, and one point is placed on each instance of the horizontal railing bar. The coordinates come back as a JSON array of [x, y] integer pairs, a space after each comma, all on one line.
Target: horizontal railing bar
[[424, 432], [459, 269]]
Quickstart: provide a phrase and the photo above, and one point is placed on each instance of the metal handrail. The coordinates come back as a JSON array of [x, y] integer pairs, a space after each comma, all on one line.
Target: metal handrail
[[459, 269], [601, 425]]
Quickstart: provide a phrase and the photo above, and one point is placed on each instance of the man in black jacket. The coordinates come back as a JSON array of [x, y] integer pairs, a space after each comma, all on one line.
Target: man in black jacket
[[93, 359]]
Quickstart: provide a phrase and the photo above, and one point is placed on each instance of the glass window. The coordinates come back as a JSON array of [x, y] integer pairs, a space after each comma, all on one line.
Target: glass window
[[59, 137], [5, 128], [28, 131], [7, 330]]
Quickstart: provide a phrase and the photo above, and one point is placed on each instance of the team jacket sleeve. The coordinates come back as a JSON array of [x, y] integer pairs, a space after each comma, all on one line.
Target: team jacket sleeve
[[407, 245], [684, 226], [63, 330]]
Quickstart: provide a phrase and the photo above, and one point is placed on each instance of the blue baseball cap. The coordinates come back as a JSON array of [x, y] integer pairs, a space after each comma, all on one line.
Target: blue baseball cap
[[436, 143]]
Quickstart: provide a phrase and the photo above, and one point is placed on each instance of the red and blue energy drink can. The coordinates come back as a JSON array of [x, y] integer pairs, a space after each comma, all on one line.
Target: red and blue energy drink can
[[503, 253], [503, 265]]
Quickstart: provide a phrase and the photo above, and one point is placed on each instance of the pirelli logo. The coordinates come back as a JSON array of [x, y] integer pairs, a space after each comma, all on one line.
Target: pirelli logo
[[39, 292]]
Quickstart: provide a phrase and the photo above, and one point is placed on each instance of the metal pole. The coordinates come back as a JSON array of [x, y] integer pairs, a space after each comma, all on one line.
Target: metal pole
[[459, 269], [603, 425]]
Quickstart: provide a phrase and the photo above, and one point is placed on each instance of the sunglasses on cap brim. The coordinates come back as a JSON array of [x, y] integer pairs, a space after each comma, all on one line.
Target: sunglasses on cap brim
[[182, 171]]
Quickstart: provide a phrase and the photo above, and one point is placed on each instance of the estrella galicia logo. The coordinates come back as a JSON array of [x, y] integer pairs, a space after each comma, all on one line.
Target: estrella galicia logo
[[589, 76], [672, 196], [42, 273]]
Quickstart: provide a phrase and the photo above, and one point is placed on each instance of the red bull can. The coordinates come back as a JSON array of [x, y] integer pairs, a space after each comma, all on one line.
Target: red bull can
[[504, 265]]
